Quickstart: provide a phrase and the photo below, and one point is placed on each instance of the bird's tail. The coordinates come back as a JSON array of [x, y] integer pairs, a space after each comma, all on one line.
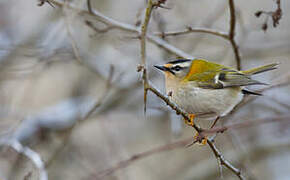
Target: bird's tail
[[261, 69]]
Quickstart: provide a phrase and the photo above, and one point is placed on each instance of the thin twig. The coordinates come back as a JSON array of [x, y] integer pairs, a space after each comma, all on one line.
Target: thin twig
[[70, 35], [230, 36], [183, 143], [232, 19], [126, 27], [89, 113], [104, 95], [172, 105], [232, 33], [104, 30], [237, 53], [223, 161], [275, 15], [246, 124], [143, 33], [30, 154], [148, 86], [125, 163], [220, 167], [279, 82], [189, 30], [144, 28], [42, 2], [216, 152], [90, 9]]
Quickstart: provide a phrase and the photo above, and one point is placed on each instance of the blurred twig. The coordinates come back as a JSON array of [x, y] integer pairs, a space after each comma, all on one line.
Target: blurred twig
[[149, 87], [230, 36], [96, 105], [143, 33], [138, 156], [232, 33], [279, 82], [69, 33], [182, 144], [246, 124], [208, 21], [104, 95], [42, 2], [90, 9], [111, 23], [125, 27], [275, 15], [223, 161], [189, 30], [104, 30], [29, 153]]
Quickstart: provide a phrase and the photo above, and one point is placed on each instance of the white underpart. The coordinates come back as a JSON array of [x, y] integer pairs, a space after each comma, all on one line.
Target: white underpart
[[195, 100]]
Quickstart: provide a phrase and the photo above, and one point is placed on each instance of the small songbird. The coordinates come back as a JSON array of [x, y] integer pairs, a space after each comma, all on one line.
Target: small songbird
[[202, 88]]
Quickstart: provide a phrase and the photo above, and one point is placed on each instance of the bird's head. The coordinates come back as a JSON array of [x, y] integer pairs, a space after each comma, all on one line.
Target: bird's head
[[176, 69]]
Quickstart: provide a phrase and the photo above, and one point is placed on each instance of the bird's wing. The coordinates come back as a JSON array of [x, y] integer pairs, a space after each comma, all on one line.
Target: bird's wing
[[215, 76]]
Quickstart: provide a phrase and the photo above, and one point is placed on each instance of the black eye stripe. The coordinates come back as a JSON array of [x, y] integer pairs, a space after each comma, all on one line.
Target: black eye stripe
[[179, 61], [177, 68]]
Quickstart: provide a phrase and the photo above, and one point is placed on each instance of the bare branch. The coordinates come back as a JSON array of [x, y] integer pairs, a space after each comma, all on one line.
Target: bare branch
[[230, 36], [29, 153], [42, 2], [143, 33], [237, 53], [246, 124], [148, 86], [232, 33], [111, 24], [172, 105], [189, 30], [216, 152], [105, 94], [232, 19], [183, 143], [104, 30], [275, 15], [90, 9], [279, 82], [94, 107], [126, 27], [69, 33], [223, 161], [179, 144], [125, 163]]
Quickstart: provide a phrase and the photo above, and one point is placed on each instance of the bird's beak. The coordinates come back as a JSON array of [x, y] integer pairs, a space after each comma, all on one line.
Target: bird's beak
[[162, 68]]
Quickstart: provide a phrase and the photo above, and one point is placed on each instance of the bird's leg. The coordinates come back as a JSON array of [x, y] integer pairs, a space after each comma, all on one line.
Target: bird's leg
[[203, 139], [198, 138], [190, 121]]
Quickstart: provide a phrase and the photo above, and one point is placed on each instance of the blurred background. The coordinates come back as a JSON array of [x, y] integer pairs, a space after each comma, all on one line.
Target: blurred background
[[70, 90]]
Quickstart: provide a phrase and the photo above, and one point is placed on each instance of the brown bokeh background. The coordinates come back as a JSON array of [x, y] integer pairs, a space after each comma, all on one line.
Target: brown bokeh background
[[43, 85]]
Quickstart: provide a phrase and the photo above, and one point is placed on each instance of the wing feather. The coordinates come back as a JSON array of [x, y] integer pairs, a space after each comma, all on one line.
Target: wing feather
[[215, 76]]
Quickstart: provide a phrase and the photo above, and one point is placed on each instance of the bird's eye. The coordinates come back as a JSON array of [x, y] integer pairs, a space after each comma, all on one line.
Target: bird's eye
[[177, 68]]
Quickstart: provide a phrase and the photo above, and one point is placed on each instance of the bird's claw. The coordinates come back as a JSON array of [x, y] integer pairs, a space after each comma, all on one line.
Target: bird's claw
[[200, 139], [190, 121]]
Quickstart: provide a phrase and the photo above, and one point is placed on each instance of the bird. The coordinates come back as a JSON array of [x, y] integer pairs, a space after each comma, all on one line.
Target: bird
[[206, 89]]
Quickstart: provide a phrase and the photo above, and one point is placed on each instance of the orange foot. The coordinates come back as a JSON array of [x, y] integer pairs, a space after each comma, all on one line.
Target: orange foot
[[200, 140], [190, 122]]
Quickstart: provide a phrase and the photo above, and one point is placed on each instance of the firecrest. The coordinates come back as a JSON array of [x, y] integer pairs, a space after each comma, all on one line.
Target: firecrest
[[204, 88]]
